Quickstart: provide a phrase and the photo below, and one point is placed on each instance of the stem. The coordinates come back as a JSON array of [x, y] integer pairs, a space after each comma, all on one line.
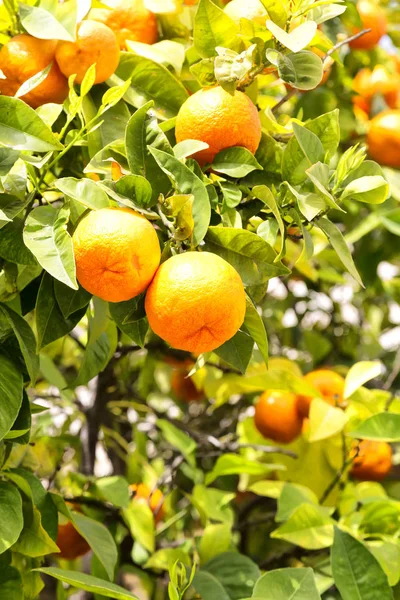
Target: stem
[[337, 479], [347, 41], [284, 99]]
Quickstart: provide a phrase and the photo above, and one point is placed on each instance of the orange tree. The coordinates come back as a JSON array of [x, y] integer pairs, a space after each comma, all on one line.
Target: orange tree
[[181, 182]]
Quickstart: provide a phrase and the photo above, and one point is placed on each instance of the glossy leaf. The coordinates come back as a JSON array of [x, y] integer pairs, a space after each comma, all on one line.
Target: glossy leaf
[[88, 583], [21, 128], [11, 390], [282, 584], [46, 236], [11, 516], [356, 571], [359, 374]]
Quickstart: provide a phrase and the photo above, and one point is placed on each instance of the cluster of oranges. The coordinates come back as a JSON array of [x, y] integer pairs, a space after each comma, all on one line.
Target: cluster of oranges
[[280, 416], [384, 129], [195, 301], [98, 41], [72, 545]]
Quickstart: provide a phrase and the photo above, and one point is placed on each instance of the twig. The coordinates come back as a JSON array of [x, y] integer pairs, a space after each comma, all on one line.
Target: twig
[[286, 98], [266, 449], [347, 41], [336, 480], [394, 373]]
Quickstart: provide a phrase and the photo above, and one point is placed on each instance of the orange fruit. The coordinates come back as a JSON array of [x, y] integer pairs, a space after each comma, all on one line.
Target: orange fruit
[[71, 544], [328, 383], [373, 462], [367, 83], [196, 301], [277, 416], [23, 57], [372, 17], [116, 252], [116, 171], [95, 43], [154, 499], [253, 10], [219, 119], [129, 22], [183, 387], [384, 138]]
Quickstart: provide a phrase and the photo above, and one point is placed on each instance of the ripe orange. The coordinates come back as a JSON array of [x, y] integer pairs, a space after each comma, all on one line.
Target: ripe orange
[[129, 22], [384, 138], [367, 83], [196, 301], [253, 10], [71, 544], [277, 416], [220, 120], [95, 43], [373, 17], [328, 383], [23, 57], [116, 252], [373, 462], [183, 387], [154, 499]]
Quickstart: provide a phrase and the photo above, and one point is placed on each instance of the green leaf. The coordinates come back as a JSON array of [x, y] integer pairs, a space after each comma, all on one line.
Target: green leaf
[[11, 516], [302, 70], [50, 322], [21, 128], [209, 587], [372, 190], [387, 554], [237, 351], [186, 182], [285, 584], [236, 573], [325, 420], [264, 193], [33, 81], [249, 254], [26, 340], [143, 131], [140, 521], [290, 498], [88, 583], [326, 128], [42, 24], [178, 439], [338, 242], [95, 359], [234, 464], [11, 390], [34, 540], [12, 246], [297, 39], [150, 81], [130, 319], [236, 162], [308, 527], [46, 236], [212, 28], [309, 143], [255, 326], [356, 571], [359, 374], [384, 427], [278, 10], [84, 191], [69, 300], [8, 158], [165, 559], [213, 504], [99, 539], [114, 489], [215, 540], [20, 431], [11, 583]]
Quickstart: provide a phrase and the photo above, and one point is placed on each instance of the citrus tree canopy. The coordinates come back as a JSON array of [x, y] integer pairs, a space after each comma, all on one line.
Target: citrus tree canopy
[[199, 299]]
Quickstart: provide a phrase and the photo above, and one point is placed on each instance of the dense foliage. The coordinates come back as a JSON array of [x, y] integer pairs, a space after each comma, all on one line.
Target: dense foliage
[[133, 469]]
